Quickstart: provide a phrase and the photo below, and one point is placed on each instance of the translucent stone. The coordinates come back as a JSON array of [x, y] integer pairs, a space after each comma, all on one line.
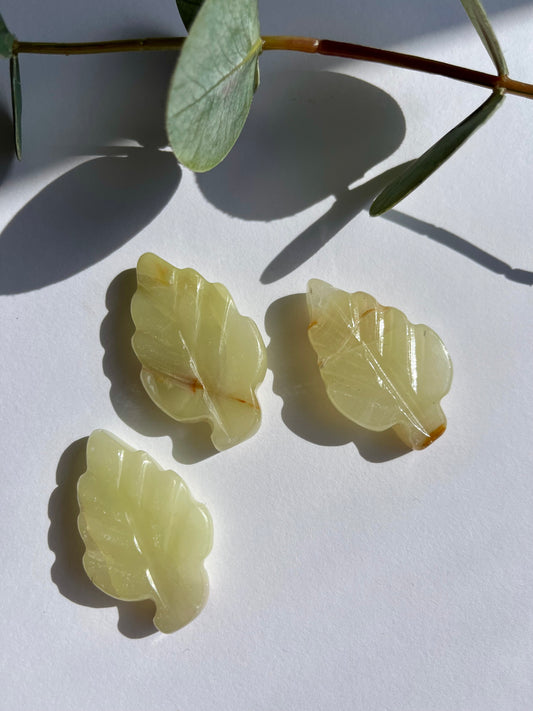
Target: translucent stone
[[201, 360], [145, 536], [379, 369]]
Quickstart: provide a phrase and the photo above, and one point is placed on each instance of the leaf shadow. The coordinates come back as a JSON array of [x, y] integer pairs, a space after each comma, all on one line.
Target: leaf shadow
[[94, 106], [460, 245], [93, 101], [83, 216], [346, 206], [135, 619], [307, 410], [191, 441], [310, 134]]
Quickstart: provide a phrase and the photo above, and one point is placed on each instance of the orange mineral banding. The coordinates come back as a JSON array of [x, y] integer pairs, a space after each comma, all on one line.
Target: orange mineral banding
[[379, 369], [201, 359]]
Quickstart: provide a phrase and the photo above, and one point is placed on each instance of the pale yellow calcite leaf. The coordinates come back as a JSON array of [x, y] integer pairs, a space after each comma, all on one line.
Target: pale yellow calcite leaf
[[379, 369], [145, 536], [201, 360]]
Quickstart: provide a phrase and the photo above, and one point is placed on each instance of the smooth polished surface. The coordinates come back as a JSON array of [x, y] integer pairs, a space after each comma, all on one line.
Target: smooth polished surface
[[145, 536], [201, 360], [380, 370]]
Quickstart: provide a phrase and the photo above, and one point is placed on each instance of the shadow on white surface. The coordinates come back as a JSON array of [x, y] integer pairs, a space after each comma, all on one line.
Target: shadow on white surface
[[309, 135], [349, 205], [98, 100], [460, 245], [85, 106], [135, 618], [191, 441], [346, 206], [307, 410], [83, 216]]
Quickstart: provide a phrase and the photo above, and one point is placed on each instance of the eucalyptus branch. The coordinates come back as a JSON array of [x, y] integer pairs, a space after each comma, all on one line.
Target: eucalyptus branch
[[150, 44], [214, 82], [309, 45], [397, 59]]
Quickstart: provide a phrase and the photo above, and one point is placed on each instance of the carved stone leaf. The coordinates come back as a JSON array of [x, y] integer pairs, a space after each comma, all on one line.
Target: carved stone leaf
[[145, 536], [201, 360], [379, 369]]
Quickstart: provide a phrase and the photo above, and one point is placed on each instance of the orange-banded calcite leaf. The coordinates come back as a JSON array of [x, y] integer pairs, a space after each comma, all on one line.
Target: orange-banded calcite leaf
[[144, 534], [379, 369], [201, 360]]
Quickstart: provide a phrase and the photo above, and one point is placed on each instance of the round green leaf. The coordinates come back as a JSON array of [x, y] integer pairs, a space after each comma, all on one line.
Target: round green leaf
[[213, 83]]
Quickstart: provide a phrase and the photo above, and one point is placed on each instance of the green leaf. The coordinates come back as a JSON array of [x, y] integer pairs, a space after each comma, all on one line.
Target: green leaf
[[478, 17], [16, 102], [188, 10], [428, 163], [213, 83], [6, 40]]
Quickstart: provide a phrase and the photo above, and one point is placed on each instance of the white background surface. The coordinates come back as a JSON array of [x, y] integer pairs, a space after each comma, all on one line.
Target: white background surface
[[345, 573]]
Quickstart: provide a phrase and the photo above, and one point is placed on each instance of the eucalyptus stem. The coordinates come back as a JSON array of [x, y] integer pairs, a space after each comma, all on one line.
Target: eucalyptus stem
[[397, 59], [296, 44], [149, 44]]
